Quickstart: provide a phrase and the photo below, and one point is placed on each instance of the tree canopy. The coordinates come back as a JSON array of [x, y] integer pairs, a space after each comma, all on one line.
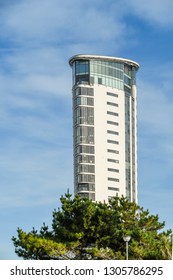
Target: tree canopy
[[82, 229]]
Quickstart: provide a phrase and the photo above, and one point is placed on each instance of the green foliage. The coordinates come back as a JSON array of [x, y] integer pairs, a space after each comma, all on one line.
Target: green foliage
[[82, 229]]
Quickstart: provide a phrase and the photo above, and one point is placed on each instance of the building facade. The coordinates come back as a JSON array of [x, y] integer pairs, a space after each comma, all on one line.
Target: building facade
[[104, 127]]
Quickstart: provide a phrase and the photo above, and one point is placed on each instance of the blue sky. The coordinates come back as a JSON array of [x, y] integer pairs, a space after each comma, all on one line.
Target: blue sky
[[37, 38]]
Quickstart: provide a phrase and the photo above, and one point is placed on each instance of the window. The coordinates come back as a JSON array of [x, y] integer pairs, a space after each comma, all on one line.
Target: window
[[84, 91], [112, 113], [113, 170], [99, 81], [112, 132], [113, 189], [113, 160], [85, 178], [127, 69], [113, 179], [87, 195], [85, 159], [112, 104], [80, 100], [113, 123], [84, 134], [127, 90], [112, 142], [87, 91], [82, 149], [86, 187], [85, 168], [91, 80], [113, 151], [82, 67], [127, 80], [112, 94], [84, 115], [90, 101]]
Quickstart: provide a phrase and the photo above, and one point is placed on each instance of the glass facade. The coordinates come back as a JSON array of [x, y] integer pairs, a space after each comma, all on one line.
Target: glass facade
[[107, 73], [83, 122], [130, 146]]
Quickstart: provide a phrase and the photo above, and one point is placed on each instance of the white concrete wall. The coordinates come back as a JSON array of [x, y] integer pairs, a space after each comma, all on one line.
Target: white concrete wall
[[101, 145]]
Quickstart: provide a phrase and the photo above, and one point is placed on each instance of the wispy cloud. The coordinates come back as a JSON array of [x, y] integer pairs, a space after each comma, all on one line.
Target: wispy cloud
[[155, 148], [154, 12], [155, 117], [158, 117], [35, 77], [47, 24]]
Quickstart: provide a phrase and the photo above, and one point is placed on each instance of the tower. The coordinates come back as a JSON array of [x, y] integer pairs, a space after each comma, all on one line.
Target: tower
[[104, 127]]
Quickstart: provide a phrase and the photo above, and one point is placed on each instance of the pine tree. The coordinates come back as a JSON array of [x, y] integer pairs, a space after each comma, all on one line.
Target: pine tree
[[82, 229]]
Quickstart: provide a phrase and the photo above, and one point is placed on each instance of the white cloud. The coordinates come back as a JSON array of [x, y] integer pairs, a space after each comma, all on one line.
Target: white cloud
[[155, 108], [158, 201], [155, 120], [30, 24], [155, 11], [36, 84], [34, 172], [155, 134]]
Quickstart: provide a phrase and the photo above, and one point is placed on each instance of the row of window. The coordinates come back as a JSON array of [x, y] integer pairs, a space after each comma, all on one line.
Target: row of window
[[109, 81], [86, 168], [84, 134], [84, 91], [112, 141], [109, 74], [85, 187], [84, 131], [85, 159], [88, 195], [84, 149], [105, 70], [84, 115], [84, 140], [87, 101], [88, 120], [85, 178], [118, 65], [88, 187], [105, 63], [112, 122]]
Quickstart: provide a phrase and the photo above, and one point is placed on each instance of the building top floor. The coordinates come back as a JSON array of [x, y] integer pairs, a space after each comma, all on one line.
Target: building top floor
[[104, 70], [103, 58]]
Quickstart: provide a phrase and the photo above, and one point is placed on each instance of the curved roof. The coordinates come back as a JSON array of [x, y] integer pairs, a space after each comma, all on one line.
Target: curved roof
[[108, 58]]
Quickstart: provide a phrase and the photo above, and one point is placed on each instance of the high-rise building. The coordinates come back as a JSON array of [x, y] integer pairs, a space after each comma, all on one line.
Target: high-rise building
[[105, 127]]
